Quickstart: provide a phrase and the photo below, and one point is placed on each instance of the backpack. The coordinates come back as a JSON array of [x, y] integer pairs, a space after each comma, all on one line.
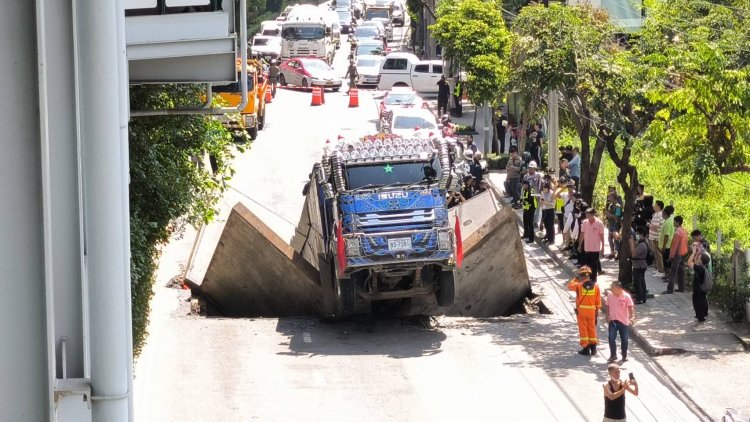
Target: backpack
[[649, 255], [708, 282]]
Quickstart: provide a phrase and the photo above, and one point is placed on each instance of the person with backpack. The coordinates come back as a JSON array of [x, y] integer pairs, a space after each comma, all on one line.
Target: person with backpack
[[639, 253], [702, 281]]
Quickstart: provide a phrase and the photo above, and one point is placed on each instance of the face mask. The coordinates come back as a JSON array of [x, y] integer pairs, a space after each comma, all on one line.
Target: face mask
[[638, 237]]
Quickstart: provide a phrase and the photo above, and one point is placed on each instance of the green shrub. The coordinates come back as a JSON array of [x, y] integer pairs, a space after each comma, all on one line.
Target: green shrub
[[463, 129], [728, 296], [497, 161]]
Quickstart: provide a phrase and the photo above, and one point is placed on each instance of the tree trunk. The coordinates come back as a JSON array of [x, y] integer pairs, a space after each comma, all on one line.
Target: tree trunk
[[631, 194], [495, 142]]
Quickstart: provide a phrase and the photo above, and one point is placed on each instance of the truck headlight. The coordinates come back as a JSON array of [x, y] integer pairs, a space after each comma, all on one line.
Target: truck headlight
[[353, 246], [444, 241], [249, 120]]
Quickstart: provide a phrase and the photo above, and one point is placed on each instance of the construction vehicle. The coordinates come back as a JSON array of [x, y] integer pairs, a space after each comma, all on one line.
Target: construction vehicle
[[380, 206], [252, 118]]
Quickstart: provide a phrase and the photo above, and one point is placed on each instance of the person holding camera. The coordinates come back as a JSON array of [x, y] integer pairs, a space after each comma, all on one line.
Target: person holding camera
[[702, 284], [614, 394]]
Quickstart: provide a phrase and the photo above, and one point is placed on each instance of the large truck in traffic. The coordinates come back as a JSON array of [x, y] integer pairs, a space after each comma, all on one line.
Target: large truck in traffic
[[306, 32], [253, 117], [383, 217]]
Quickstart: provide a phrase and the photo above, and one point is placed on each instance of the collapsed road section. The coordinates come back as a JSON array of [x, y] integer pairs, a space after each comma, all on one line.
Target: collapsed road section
[[374, 234]]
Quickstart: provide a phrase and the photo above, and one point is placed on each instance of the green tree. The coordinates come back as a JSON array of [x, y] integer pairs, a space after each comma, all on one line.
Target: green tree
[[559, 48], [169, 184], [699, 52]]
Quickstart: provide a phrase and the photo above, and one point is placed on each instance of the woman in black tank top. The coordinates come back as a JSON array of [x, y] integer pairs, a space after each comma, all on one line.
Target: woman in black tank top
[[614, 394]]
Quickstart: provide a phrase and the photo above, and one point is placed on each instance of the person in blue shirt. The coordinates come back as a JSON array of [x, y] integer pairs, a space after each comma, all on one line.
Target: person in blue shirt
[[574, 167]]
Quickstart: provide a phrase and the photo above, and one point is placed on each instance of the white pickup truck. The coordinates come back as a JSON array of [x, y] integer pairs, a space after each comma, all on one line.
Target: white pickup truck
[[405, 69]]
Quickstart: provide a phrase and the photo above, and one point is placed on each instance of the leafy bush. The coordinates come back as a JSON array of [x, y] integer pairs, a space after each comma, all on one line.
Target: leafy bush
[[728, 296], [170, 185], [463, 129], [497, 161]]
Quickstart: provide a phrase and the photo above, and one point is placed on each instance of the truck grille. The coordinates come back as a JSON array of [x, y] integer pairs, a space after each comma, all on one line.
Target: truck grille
[[394, 220]]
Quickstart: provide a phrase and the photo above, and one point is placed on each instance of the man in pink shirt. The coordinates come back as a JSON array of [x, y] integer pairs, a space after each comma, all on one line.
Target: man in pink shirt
[[592, 247], [677, 256], [620, 315]]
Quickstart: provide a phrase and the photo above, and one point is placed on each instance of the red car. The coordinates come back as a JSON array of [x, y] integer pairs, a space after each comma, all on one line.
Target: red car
[[399, 97], [308, 72]]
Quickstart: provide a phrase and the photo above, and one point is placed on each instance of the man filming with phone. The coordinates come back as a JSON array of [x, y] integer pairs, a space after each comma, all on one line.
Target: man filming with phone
[[614, 394]]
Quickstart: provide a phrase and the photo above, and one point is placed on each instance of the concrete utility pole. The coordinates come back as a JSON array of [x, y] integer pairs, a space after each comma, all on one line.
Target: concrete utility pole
[[553, 129]]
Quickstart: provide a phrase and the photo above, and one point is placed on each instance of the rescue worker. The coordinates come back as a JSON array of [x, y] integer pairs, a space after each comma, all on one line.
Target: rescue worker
[[588, 303], [273, 76], [457, 92], [352, 74], [529, 202]]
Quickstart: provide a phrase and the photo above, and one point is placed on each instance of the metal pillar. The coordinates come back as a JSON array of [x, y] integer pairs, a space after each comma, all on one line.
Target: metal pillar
[[25, 389], [106, 221], [553, 131]]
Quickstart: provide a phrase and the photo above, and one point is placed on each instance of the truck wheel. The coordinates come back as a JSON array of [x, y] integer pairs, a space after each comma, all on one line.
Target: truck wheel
[[447, 289], [252, 133], [282, 79], [347, 296]]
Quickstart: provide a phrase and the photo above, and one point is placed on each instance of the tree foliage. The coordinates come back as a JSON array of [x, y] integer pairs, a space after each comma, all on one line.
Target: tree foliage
[[169, 185], [698, 52], [559, 48]]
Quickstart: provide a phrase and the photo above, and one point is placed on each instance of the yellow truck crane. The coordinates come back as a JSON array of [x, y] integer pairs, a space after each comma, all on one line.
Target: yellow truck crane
[[253, 116]]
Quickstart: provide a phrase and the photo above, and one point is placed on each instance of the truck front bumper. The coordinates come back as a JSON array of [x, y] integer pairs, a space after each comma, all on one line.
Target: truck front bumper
[[410, 249]]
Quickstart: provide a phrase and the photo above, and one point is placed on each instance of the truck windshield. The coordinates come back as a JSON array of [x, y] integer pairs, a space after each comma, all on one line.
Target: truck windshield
[[397, 173], [376, 13], [302, 32]]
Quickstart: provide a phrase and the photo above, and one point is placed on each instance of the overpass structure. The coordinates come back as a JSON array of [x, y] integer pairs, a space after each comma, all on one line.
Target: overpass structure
[[64, 223]]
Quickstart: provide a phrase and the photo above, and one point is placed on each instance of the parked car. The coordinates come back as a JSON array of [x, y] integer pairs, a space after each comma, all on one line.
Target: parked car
[[387, 26], [405, 69], [397, 14], [308, 72], [400, 97], [369, 33], [368, 68], [406, 121], [265, 46], [370, 48], [346, 20]]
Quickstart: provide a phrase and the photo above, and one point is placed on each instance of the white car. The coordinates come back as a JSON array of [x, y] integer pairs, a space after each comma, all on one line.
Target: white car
[[377, 24], [387, 26], [400, 97], [370, 48], [406, 122], [405, 69], [265, 46], [397, 15], [367, 69]]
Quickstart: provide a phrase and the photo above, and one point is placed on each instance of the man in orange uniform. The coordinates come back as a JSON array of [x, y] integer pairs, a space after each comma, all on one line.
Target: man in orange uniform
[[588, 303]]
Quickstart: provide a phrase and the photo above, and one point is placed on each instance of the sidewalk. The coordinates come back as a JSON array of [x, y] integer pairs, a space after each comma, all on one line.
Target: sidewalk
[[665, 324], [708, 363]]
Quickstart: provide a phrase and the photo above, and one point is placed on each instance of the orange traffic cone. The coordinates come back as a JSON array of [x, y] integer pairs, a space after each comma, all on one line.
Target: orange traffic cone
[[317, 97], [353, 97], [268, 95]]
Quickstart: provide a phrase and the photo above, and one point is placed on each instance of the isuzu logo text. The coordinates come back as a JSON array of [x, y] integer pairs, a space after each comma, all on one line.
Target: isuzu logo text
[[393, 195]]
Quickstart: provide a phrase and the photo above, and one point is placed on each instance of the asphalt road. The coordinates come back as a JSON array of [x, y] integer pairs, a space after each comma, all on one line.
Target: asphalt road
[[517, 368]]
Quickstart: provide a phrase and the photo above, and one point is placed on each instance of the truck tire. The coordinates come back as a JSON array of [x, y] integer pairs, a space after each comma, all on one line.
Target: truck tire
[[346, 296], [447, 288], [252, 133]]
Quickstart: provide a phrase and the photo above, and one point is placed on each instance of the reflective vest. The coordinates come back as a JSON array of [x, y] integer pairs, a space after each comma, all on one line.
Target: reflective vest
[[586, 299], [529, 199], [559, 203]]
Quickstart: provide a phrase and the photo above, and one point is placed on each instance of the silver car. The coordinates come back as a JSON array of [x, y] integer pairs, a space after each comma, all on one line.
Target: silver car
[[368, 69]]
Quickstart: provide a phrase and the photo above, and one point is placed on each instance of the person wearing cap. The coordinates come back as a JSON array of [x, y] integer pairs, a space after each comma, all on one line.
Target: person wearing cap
[[529, 202], [588, 304], [592, 245]]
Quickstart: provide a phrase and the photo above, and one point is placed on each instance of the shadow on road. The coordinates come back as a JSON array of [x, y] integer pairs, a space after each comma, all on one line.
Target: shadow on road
[[396, 338]]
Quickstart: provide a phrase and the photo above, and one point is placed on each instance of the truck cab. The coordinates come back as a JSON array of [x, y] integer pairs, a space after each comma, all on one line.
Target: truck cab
[[306, 33], [253, 117], [386, 224], [405, 69]]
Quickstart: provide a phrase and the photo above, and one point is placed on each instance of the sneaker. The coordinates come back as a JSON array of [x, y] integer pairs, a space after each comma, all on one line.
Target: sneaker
[[666, 292], [680, 290], [612, 359]]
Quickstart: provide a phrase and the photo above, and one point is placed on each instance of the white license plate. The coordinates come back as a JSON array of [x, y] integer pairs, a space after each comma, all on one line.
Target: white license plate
[[329, 83], [400, 244]]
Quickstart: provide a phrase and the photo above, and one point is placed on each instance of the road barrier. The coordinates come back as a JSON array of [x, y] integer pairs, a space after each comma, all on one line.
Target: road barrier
[[269, 97], [317, 96], [353, 97]]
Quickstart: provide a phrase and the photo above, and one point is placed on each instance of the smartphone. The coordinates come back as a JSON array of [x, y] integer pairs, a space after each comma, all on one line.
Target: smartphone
[[630, 375]]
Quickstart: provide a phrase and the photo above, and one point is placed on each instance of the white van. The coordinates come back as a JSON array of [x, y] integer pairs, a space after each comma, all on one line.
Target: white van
[[270, 29], [405, 69]]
